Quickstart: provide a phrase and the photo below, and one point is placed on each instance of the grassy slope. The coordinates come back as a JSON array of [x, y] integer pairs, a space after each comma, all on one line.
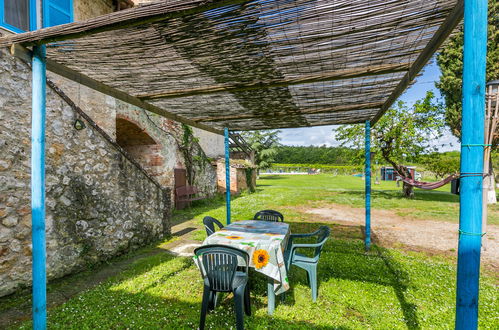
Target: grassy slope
[[384, 289]]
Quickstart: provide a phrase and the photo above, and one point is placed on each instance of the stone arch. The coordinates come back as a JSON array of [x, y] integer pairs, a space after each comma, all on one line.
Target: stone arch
[[140, 145]]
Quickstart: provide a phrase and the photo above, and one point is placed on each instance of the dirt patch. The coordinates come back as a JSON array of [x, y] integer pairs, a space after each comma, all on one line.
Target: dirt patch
[[419, 235]]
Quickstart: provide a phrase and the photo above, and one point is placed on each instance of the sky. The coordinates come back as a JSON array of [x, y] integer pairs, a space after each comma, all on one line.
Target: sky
[[324, 135]]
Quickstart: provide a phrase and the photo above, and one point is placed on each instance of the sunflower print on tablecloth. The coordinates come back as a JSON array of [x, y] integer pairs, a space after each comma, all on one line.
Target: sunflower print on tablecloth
[[260, 258], [233, 237]]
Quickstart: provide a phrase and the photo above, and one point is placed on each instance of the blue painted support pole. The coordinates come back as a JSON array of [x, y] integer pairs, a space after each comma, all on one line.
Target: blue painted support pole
[[472, 139], [227, 174], [38, 187], [368, 185]]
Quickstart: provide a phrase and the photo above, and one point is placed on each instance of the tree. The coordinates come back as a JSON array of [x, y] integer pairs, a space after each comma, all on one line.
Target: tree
[[313, 155], [442, 164], [265, 144], [450, 62], [401, 135]]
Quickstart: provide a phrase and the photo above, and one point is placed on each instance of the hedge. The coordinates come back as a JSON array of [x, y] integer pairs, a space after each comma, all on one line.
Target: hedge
[[335, 169]]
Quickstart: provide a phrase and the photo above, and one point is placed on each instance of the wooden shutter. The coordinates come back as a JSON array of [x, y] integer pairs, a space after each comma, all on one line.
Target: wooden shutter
[[57, 12]]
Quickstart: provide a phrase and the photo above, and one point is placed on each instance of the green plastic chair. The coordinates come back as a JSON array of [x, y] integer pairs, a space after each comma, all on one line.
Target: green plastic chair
[[269, 215], [209, 225], [307, 263], [220, 264]]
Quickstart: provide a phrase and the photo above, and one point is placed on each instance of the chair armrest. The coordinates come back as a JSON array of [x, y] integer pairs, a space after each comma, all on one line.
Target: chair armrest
[[293, 248], [306, 245], [304, 235]]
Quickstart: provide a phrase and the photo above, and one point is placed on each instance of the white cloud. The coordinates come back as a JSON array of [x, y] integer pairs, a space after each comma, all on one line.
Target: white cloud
[[324, 135], [317, 136]]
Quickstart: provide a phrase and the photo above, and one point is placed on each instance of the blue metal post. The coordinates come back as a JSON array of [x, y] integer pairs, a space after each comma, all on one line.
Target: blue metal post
[[227, 174], [38, 187], [368, 185], [472, 139]]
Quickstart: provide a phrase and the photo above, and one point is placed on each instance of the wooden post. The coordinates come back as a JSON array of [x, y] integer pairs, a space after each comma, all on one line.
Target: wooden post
[[472, 136], [368, 185], [38, 95], [227, 174]]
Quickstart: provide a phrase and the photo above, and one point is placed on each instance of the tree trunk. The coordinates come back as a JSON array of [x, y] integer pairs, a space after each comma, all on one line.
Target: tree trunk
[[407, 189]]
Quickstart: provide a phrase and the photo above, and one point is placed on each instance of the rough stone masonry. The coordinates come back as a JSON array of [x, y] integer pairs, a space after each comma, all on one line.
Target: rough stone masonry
[[99, 202]]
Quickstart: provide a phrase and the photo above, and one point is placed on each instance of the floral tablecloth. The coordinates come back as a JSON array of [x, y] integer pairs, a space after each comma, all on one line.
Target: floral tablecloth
[[265, 243]]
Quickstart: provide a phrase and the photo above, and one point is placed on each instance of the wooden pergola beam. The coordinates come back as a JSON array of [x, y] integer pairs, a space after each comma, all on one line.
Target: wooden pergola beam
[[431, 48], [328, 76], [146, 14], [341, 108], [25, 54]]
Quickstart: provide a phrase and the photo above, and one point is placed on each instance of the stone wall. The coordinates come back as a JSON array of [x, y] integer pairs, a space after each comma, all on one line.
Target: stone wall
[[85, 9], [212, 144], [100, 203], [238, 179], [105, 194]]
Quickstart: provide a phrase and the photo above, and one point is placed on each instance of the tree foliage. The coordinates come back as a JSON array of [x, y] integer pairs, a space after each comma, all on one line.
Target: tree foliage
[[450, 61], [314, 155], [265, 144], [403, 134], [442, 164]]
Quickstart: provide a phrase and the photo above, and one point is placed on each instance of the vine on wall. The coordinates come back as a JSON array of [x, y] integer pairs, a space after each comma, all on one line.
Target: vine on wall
[[193, 154], [188, 146]]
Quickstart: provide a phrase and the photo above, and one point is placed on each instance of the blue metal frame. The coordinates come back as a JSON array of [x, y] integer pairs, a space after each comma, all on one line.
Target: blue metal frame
[[368, 184], [38, 187], [32, 18], [470, 212], [227, 174]]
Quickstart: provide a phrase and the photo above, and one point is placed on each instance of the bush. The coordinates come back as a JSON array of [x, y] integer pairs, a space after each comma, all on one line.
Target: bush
[[333, 169]]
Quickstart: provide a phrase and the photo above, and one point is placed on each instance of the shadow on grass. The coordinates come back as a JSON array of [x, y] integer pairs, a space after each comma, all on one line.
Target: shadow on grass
[[344, 258], [164, 291]]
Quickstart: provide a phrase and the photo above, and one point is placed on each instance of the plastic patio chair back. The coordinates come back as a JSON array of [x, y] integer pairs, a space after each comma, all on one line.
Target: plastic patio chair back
[[220, 264], [322, 235], [209, 225], [269, 215]]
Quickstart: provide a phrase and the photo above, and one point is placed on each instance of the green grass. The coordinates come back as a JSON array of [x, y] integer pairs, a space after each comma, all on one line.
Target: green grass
[[382, 289], [288, 191]]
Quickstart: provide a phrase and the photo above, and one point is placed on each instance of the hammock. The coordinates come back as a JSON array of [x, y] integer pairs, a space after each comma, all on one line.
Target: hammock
[[428, 185]]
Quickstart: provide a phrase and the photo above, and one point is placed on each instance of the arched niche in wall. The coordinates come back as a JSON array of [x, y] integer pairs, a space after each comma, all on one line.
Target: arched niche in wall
[[140, 145]]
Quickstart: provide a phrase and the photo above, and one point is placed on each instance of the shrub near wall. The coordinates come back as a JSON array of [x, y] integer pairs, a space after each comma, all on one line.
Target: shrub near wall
[[332, 169]]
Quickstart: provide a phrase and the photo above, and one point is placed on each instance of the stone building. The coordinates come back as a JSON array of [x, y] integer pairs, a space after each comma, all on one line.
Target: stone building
[[109, 165]]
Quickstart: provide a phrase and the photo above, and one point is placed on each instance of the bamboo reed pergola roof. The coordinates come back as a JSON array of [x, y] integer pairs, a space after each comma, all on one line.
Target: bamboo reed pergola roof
[[255, 64]]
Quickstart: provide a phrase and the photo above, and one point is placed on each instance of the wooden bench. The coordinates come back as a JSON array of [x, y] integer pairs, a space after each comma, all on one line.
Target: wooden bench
[[185, 195]]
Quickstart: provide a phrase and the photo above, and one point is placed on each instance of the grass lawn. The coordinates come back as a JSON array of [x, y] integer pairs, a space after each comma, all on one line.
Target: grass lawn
[[285, 192], [382, 289]]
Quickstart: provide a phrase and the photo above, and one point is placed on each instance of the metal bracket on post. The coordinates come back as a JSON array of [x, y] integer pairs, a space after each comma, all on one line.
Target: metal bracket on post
[[38, 187], [227, 174], [470, 208], [368, 185]]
